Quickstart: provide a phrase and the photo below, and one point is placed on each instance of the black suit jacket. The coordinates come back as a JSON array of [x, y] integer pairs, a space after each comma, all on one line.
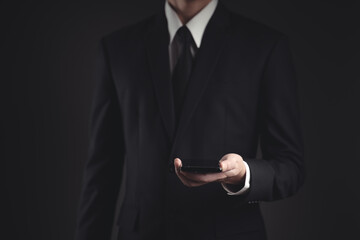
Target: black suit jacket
[[242, 90]]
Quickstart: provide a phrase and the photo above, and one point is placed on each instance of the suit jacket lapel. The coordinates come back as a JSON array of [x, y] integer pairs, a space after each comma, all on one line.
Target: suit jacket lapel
[[157, 40], [216, 32]]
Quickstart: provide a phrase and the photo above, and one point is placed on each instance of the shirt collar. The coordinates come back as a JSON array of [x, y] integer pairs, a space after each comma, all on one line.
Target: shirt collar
[[196, 25]]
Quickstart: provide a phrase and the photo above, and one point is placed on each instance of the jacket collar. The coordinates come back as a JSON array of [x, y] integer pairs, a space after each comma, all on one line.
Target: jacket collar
[[196, 25]]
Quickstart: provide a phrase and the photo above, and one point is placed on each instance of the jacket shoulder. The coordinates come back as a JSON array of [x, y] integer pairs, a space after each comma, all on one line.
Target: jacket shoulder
[[129, 34], [253, 29]]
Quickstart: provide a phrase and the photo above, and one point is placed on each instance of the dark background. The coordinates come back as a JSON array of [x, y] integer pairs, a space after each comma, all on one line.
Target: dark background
[[47, 60]]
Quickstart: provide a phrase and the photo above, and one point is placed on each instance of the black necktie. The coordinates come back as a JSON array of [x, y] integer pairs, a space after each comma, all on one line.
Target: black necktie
[[182, 70]]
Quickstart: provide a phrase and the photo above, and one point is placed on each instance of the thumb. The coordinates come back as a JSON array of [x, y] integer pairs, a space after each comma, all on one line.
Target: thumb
[[223, 165], [177, 163]]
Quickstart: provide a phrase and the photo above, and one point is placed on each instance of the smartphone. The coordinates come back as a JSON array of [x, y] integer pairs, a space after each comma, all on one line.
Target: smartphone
[[195, 165]]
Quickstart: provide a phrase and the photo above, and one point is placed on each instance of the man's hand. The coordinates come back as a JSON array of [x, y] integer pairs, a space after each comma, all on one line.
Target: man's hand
[[233, 172]]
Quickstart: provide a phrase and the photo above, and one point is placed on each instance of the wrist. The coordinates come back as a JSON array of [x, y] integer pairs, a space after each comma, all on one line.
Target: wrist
[[239, 179], [240, 187]]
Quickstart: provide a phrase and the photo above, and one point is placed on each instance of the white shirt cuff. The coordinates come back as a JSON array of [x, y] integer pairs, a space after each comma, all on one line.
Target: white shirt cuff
[[246, 185]]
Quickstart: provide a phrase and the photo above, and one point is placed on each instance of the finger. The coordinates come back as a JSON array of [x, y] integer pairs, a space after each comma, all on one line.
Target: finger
[[177, 163], [190, 177], [232, 173], [228, 164], [189, 182], [177, 166]]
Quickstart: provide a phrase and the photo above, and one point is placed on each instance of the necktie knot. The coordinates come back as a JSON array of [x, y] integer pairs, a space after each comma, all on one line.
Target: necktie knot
[[184, 35]]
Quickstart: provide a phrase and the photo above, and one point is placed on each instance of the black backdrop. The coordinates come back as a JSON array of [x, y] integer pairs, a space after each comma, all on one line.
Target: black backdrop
[[47, 60]]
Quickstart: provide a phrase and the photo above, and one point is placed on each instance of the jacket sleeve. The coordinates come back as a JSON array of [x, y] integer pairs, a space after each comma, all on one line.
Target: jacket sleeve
[[103, 169], [280, 171]]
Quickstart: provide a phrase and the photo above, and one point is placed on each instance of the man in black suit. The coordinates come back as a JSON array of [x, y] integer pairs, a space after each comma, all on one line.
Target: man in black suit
[[195, 81]]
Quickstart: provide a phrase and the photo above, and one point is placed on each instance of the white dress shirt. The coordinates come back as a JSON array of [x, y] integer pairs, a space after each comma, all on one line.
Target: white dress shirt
[[197, 26]]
